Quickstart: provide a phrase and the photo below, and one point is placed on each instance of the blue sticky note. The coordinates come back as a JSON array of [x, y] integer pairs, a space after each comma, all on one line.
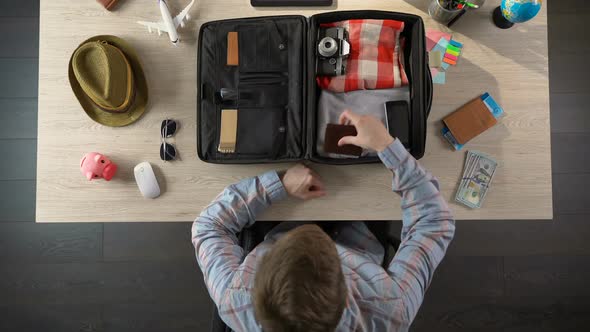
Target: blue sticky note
[[441, 46], [445, 65], [440, 78], [456, 43]]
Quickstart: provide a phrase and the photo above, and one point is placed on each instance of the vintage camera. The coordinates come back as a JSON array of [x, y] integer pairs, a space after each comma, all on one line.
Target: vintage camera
[[333, 49]]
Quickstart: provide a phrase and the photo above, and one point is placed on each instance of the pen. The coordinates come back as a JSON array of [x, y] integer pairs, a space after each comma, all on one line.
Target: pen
[[456, 18]]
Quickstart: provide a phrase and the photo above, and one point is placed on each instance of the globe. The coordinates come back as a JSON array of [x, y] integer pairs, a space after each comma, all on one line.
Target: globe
[[518, 11], [515, 11]]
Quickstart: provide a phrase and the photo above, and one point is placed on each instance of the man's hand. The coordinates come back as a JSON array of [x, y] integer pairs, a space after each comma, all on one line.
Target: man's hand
[[371, 134], [301, 182]]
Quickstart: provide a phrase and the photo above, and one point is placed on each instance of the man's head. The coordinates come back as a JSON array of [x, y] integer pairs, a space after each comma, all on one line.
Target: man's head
[[299, 285]]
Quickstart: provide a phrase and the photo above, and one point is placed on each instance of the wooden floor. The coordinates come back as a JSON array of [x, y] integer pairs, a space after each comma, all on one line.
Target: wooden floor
[[497, 276]]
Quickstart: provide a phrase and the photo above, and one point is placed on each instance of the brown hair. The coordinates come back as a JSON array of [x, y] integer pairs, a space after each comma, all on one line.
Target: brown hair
[[299, 285]]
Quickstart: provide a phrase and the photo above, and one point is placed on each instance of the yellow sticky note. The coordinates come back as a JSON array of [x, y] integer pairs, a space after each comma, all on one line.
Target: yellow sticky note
[[435, 59], [451, 52]]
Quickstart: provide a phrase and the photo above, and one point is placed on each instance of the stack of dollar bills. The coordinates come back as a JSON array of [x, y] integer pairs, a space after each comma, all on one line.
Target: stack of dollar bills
[[478, 172]]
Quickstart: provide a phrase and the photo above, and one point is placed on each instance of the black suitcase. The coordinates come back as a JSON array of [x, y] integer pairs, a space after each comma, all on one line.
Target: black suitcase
[[277, 60]]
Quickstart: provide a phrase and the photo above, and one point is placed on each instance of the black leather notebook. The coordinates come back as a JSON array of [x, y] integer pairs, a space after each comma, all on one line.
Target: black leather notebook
[[334, 133], [397, 115]]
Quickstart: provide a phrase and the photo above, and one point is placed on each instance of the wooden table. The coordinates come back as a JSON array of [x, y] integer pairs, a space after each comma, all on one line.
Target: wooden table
[[510, 64]]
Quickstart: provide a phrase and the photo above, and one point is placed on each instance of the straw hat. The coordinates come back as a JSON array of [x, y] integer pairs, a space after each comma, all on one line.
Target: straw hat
[[107, 78]]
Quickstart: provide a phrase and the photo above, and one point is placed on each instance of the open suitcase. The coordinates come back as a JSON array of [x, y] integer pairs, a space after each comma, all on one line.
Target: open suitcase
[[277, 71]]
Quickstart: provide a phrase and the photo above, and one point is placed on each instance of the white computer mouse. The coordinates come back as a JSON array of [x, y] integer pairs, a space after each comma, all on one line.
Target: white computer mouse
[[146, 180]]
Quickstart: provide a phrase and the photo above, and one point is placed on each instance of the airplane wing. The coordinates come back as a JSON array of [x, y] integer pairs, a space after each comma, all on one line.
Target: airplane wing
[[178, 20], [160, 26]]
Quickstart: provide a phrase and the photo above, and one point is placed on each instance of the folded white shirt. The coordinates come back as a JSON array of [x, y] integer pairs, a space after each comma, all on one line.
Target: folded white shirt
[[370, 102]]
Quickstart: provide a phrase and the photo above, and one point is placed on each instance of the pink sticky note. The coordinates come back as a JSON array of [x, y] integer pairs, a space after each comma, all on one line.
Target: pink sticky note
[[433, 36], [450, 56], [433, 72]]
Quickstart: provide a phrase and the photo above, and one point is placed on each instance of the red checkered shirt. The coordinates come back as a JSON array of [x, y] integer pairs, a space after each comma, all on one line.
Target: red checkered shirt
[[376, 59]]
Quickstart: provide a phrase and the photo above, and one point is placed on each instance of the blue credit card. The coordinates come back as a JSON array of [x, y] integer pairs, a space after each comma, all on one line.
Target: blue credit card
[[447, 134], [492, 106]]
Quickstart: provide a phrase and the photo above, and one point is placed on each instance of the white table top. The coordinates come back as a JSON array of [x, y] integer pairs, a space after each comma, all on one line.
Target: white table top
[[512, 65]]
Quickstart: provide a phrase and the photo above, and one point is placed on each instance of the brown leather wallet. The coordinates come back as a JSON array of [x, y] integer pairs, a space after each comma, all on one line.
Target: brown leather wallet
[[334, 133], [107, 4], [469, 120]]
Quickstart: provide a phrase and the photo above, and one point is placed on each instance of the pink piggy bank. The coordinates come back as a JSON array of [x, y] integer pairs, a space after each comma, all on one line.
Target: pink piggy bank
[[95, 165]]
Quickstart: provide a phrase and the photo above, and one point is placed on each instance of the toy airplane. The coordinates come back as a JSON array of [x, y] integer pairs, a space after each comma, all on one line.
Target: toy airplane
[[168, 24]]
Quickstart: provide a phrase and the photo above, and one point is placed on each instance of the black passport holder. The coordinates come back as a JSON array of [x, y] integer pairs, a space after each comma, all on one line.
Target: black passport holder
[[276, 90]]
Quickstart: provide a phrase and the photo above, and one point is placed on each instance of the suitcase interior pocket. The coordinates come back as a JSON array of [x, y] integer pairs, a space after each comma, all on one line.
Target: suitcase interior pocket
[[261, 131], [262, 48], [263, 94]]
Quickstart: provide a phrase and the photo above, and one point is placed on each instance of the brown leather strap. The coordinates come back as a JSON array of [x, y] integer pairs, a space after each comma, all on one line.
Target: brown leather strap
[[232, 49]]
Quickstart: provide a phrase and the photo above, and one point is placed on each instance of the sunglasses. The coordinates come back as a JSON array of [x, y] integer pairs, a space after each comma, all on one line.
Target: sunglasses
[[167, 130]]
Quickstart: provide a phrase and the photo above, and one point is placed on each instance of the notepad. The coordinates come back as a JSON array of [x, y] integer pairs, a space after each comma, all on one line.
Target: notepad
[[440, 78], [433, 37], [228, 132], [435, 59]]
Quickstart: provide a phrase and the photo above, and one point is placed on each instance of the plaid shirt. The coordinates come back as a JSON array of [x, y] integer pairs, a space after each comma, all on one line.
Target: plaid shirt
[[376, 59], [378, 299]]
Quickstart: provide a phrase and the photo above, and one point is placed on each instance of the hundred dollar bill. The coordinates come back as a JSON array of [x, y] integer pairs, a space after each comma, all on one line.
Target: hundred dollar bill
[[476, 182]]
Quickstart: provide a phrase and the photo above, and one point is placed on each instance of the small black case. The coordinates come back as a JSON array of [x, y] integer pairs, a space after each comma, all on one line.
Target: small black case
[[277, 91], [280, 3], [398, 120]]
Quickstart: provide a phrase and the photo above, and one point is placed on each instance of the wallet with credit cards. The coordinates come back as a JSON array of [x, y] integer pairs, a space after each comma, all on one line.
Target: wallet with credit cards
[[265, 68], [470, 120]]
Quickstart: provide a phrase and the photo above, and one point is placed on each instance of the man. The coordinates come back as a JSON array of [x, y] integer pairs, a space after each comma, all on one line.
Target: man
[[301, 279]]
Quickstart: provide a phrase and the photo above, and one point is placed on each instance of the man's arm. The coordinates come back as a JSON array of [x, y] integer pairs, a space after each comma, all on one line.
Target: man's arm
[[214, 231], [428, 226]]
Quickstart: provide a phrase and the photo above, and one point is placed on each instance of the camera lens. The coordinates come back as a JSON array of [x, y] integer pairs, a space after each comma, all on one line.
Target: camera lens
[[327, 47]]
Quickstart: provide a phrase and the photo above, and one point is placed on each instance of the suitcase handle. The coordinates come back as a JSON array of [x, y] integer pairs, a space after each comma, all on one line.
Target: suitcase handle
[[429, 89]]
